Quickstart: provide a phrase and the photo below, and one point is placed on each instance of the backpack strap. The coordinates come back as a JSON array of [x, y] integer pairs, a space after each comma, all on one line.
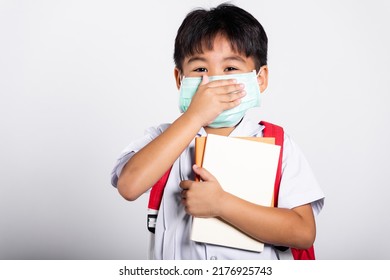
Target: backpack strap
[[277, 132], [271, 130], [155, 198]]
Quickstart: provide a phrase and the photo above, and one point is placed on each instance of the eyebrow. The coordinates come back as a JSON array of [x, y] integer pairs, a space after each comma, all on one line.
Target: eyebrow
[[196, 58], [235, 57], [229, 58]]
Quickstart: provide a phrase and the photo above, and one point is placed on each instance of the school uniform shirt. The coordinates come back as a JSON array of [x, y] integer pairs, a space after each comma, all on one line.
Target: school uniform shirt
[[172, 239]]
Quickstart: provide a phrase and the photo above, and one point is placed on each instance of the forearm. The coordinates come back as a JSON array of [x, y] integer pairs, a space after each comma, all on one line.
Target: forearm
[[150, 163], [286, 227]]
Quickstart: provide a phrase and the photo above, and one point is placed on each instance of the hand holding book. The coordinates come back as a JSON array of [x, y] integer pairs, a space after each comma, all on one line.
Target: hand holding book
[[201, 199]]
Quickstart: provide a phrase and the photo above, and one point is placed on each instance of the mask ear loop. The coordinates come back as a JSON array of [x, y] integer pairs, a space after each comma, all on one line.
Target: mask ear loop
[[181, 79], [258, 73]]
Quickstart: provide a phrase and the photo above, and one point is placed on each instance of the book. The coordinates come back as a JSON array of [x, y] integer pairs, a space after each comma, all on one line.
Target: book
[[244, 168]]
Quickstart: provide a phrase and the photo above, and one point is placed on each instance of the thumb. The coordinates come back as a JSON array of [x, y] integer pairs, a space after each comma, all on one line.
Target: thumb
[[205, 79], [203, 173]]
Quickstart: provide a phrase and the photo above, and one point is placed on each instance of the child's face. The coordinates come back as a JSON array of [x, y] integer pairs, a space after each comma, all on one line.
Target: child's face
[[221, 60]]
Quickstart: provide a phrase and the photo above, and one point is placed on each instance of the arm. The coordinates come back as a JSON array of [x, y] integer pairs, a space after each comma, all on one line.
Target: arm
[[288, 227], [150, 163]]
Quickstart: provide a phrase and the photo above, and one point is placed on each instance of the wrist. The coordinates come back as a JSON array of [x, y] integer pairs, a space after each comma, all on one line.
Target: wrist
[[194, 118], [222, 204]]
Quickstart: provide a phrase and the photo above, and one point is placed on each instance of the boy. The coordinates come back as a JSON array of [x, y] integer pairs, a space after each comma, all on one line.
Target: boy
[[216, 52]]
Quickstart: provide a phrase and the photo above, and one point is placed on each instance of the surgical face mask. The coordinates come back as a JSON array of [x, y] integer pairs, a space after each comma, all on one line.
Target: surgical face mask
[[231, 117]]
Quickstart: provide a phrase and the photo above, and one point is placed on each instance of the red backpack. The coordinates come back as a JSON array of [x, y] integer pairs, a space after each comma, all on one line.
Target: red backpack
[[270, 130]]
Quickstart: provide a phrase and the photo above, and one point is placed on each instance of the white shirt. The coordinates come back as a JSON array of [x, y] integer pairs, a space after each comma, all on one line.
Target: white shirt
[[172, 239]]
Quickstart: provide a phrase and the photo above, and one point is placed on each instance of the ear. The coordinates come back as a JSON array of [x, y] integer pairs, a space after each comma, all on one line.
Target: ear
[[176, 73], [263, 78]]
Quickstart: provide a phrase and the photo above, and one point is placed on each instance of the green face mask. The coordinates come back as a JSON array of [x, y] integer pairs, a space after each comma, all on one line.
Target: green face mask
[[231, 117]]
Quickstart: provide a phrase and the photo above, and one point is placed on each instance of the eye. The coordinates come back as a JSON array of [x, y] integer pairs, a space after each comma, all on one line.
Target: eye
[[200, 69], [228, 69]]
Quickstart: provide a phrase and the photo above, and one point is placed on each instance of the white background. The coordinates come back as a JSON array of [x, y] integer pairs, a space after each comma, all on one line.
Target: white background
[[80, 79]]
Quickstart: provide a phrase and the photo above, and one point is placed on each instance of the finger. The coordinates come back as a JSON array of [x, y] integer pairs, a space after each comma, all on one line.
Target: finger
[[221, 83], [225, 89], [203, 173], [185, 185], [233, 88], [231, 97], [205, 80], [184, 194]]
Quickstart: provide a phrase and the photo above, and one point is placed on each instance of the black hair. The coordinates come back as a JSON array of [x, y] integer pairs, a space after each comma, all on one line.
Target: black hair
[[200, 27]]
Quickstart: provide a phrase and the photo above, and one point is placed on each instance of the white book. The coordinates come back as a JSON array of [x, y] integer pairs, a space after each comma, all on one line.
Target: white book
[[246, 169]]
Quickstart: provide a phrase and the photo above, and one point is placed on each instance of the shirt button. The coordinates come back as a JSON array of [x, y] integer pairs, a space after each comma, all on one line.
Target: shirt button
[[213, 258]]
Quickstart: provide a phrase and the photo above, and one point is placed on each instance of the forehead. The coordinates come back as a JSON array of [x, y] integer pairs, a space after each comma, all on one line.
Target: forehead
[[216, 48]]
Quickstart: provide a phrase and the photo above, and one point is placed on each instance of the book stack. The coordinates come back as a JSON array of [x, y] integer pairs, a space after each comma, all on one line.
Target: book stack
[[245, 167]]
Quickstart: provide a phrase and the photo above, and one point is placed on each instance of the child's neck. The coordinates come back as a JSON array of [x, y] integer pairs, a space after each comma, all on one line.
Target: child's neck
[[223, 131]]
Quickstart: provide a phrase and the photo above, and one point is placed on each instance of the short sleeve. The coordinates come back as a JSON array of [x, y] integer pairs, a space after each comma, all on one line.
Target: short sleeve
[[150, 134], [298, 184]]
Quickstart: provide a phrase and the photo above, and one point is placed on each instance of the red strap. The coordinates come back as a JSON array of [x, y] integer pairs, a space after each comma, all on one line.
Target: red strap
[[271, 130], [157, 191], [277, 132], [303, 254]]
